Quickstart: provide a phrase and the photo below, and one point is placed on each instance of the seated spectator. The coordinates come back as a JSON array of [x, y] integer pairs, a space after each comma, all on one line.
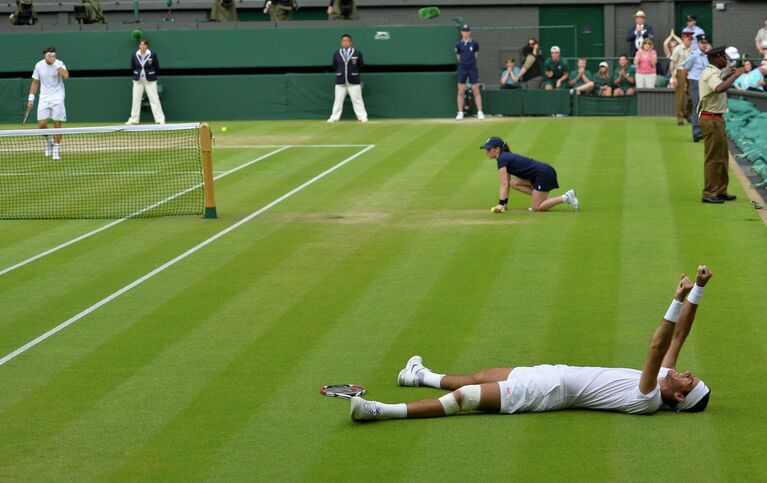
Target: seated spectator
[[624, 79], [761, 39], [510, 78], [752, 79], [580, 80], [639, 32], [343, 10], [555, 70], [24, 14], [223, 11], [645, 61], [603, 81], [532, 60]]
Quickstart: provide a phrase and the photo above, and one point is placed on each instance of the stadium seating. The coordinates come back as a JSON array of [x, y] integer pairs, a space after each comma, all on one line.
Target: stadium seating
[[747, 128]]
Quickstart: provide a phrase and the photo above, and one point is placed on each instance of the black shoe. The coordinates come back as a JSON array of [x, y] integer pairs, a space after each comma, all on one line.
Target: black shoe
[[727, 197], [695, 139], [712, 199]]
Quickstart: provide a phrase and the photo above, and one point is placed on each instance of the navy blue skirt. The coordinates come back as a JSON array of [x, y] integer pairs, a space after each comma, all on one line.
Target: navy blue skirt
[[546, 180]]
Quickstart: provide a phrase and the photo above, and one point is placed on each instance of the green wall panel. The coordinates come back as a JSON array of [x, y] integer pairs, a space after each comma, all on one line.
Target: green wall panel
[[258, 47]]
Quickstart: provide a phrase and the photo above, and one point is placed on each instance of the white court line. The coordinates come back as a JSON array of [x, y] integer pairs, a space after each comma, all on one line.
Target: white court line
[[132, 215], [248, 146], [177, 259]]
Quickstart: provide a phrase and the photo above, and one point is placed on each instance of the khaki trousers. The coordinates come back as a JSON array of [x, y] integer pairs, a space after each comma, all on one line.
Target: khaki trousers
[[717, 156], [150, 87], [682, 94]]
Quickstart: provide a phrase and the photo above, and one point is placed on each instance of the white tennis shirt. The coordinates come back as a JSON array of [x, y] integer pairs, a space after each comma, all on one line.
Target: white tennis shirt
[[51, 82]]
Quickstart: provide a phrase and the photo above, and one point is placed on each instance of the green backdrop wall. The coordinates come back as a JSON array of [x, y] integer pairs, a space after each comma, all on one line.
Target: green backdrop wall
[[208, 98]]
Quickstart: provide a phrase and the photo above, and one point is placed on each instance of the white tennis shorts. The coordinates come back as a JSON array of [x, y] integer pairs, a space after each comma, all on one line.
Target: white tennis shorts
[[57, 112], [533, 389]]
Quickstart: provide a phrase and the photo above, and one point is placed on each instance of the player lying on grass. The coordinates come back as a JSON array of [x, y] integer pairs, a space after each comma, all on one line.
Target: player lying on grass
[[527, 175], [550, 388], [49, 74]]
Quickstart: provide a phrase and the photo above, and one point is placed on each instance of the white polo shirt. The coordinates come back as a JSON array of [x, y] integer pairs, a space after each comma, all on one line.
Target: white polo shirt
[[51, 83]]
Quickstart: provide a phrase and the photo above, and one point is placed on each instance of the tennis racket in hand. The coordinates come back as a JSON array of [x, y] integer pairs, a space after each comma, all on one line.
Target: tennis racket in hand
[[345, 391], [26, 115]]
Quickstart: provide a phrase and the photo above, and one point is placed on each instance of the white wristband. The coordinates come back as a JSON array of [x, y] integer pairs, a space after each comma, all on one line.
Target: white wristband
[[31, 98], [672, 314], [695, 294]]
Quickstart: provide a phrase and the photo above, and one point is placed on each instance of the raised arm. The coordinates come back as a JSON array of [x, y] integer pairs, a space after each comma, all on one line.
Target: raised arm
[[661, 339], [686, 318]]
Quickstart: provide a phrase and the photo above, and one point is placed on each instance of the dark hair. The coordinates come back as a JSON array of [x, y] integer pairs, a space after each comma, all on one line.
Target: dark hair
[[346, 35], [510, 59], [526, 50], [623, 55], [144, 41], [505, 148], [700, 406], [49, 49]]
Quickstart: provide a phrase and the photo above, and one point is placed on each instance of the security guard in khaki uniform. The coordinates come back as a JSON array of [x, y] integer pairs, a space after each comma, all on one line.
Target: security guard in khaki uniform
[[280, 10], [343, 10], [679, 78], [713, 103]]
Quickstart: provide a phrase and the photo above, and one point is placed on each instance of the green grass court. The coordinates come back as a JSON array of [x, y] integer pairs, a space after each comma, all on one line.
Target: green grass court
[[211, 369]]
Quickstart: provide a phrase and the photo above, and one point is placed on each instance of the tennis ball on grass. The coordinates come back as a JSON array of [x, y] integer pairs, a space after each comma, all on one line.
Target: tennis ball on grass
[[223, 129]]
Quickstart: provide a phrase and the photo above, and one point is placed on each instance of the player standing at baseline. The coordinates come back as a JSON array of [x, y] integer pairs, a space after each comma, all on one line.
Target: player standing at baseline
[[510, 390], [525, 175], [49, 74]]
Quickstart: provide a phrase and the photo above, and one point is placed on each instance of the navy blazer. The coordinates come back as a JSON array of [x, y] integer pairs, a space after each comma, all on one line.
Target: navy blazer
[[348, 72], [151, 67], [632, 35]]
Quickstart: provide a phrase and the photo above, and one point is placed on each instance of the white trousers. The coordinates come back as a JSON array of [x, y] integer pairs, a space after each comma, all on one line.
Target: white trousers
[[139, 87], [355, 92], [646, 81]]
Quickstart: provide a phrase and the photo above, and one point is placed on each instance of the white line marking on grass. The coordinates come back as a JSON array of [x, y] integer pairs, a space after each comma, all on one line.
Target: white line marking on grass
[[137, 213], [178, 258], [250, 146]]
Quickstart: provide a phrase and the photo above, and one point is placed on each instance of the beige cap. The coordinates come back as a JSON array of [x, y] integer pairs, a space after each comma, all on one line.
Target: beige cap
[[555, 49], [640, 13], [603, 64]]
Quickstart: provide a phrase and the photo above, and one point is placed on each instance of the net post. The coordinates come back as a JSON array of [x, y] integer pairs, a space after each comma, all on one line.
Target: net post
[[206, 149]]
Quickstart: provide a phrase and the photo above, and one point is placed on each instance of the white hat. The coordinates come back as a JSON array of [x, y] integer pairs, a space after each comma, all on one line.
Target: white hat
[[640, 13], [603, 64], [693, 397], [555, 49]]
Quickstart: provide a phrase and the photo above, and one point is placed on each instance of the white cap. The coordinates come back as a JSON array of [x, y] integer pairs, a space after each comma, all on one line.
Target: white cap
[[693, 397], [732, 53], [555, 49], [640, 13], [603, 64]]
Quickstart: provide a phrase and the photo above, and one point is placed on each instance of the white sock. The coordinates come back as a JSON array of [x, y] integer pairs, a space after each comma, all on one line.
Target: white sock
[[430, 379], [565, 198], [393, 411]]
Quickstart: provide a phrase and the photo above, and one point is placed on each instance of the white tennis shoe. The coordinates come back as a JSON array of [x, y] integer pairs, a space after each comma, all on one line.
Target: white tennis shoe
[[48, 146], [56, 156], [572, 199], [362, 410], [409, 375], [459, 116], [480, 115]]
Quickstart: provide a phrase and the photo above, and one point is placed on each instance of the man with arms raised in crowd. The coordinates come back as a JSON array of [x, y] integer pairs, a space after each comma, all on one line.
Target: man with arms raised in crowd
[[49, 74], [549, 388]]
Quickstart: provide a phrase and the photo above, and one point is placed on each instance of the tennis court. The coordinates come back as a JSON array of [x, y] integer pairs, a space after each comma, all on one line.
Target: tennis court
[[193, 348]]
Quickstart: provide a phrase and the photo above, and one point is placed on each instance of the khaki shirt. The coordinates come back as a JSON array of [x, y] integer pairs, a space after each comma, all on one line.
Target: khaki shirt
[[679, 55], [709, 100]]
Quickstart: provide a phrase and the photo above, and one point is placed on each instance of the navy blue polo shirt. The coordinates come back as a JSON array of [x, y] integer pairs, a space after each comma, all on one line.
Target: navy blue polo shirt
[[521, 166], [466, 51]]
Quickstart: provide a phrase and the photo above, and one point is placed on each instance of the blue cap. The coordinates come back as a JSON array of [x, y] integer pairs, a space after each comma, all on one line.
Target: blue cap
[[493, 142], [466, 27]]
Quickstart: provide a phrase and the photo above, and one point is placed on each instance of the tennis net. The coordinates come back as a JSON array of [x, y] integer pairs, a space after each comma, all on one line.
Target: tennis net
[[106, 172]]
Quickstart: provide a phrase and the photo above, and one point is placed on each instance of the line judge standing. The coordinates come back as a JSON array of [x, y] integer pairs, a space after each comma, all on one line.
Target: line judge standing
[[712, 105], [145, 66], [347, 63]]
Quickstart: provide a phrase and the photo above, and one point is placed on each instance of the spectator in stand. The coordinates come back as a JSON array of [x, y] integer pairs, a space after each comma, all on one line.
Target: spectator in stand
[[752, 79], [580, 80], [510, 78], [343, 10], [223, 11], [645, 61], [671, 43], [624, 79], [694, 65], [603, 81], [692, 27], [639, 32], [280, 10], [761, 39], [679, 78], [532, 60], [555, 70]]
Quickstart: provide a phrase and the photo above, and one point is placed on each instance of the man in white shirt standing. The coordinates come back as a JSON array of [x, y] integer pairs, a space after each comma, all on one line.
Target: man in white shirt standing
[[511, 390], [49, 75]]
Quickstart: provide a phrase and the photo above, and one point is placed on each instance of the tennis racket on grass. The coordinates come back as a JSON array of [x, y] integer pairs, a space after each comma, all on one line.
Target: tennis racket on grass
[[345, 391], [26, 116]]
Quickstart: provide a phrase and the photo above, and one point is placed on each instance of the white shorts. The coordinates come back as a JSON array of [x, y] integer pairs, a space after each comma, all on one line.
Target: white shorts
[[533, 389], [57, 112]]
